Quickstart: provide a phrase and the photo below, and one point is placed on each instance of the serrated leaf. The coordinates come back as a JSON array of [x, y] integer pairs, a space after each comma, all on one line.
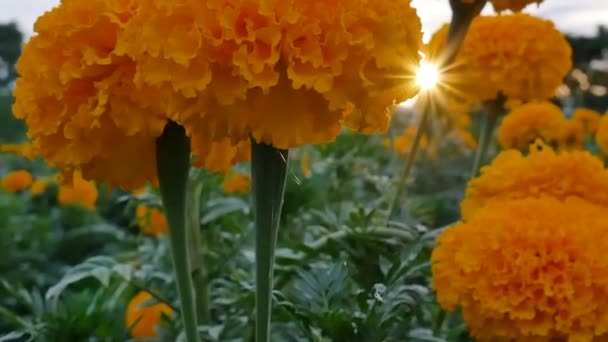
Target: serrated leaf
[[14, 335], [222, 207]]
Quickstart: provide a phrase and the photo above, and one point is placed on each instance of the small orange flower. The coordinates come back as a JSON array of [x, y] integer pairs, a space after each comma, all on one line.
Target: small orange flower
[[26, 150], [17, 181], [572, 136], [305, 164], [402, 144], [38, 186], [542, 172], [588, 117], [601, 137], [80, 191], [142, 319], [151, 220], [237, 184], [528, 122]]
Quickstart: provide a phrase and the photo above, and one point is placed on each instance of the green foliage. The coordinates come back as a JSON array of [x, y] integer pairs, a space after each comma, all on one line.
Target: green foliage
[[10, 49], [11, 129], [343, 271]]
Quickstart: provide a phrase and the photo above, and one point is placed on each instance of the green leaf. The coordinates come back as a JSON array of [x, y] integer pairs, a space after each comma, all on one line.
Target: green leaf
[[220, 207], [98, 267], [15, 335]]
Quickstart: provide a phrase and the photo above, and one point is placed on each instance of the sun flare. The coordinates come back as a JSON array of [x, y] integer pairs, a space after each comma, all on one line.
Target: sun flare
[[427, 76]]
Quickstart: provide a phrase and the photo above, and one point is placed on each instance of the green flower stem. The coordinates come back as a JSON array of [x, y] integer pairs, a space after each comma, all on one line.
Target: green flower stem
[[197, 245], [303, 259], [268, 172], [489, 119], [173, 163], [462, 17], [411, 157]]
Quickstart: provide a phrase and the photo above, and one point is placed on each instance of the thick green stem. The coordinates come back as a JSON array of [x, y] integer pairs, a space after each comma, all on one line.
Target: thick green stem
[[462, 17], [197, 245], [173, 163], [489, 119], [268, 172]]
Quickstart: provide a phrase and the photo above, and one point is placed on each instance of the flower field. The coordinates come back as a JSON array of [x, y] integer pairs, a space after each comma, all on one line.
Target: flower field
[[289, 170]]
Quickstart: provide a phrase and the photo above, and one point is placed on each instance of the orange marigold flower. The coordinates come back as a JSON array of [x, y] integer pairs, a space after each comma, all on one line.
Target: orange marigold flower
[[80, 99], [589, 118], [402, 144], [25, 149], [142, 318], [543, 172], [513, 5], [531, 269], [289, 72], [237, 184], [601, 137], [528, 122], [521, 57], [151, 220], [78, 191], [305, 165], [38, 186], [17, 181], [572, 135]]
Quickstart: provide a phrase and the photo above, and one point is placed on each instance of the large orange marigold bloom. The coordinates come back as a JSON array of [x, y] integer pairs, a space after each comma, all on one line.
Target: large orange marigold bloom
[[78, 191], [543, 172], [589, 118], [143, 318], [531, 121], [151, 220], [528, 270], [601, 137], [17, 181], [80, 99], [518, 56], [289, 72]]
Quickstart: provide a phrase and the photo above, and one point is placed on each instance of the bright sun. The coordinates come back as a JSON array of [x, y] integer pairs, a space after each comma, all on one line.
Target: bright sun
[[427, 76]]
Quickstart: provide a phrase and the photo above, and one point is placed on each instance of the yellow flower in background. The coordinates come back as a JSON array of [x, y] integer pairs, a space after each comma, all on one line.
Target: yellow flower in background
[[237, 184], [543, 172], [79, 97], [589, 118], [572, 136], [152, 221], [518, 56], [25, 149], [38, 186], [305, 164], [402, 144], [513, 5], [17, 181], [530, 269], [601, 137], [288, 72], [143, 319], [78, 191], [528, 122]]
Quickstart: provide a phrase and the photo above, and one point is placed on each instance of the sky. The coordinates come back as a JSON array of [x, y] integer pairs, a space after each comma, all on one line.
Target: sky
[[579, 17]]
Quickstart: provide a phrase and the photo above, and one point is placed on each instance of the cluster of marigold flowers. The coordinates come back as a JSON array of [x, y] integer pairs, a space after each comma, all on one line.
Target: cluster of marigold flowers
[[546, 121], [527, 261], [76, 192]]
